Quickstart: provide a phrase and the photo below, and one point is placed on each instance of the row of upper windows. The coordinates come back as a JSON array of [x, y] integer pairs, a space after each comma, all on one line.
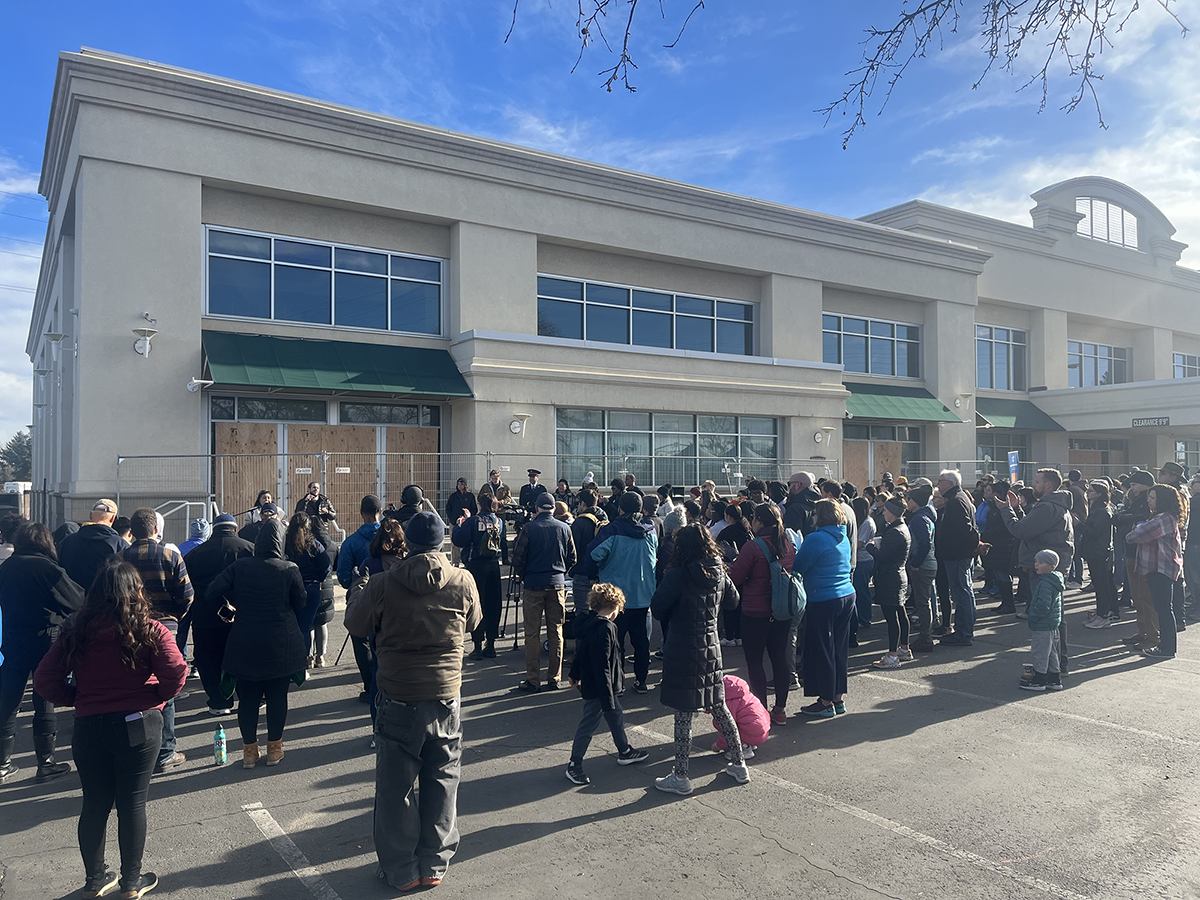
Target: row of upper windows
[[260, 276]]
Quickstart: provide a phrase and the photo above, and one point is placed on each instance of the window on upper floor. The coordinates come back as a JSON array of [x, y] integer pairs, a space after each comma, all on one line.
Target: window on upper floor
[[615, 314], [1001, 360], [261, 276], [1104, 221], [1187, 366], [872, 346], [1089, 365]]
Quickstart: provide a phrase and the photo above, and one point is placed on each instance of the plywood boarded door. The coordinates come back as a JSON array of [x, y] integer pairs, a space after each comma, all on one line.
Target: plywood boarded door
[[246, 462], [887, 457], [349, 447], [413, 459], [1089, 462], [856, 467]]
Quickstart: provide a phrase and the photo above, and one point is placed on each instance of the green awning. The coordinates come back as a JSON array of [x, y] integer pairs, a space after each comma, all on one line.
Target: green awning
[[262, 361], [885, 401], [1019, 414]]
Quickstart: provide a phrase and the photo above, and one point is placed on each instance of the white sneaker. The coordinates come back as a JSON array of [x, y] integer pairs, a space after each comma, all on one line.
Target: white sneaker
[[727, 642], [737, 642], [673, 784], [319, 661], [740, 774], [904, 654], [887, 662], [747, 753]]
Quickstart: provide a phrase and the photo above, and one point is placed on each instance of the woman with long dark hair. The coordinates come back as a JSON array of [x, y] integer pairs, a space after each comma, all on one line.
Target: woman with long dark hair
[[126, 666], [265, 649], [693, 591], [1094, 544], [302, 547], [1160, 559], [761, 631], [36, 597], [564, 494]]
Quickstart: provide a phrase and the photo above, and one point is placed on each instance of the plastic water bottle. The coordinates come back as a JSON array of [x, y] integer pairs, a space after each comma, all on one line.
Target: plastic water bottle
[[219, 746]]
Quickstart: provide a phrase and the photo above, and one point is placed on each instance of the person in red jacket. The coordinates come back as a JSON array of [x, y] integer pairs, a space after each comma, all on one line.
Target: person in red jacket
[[127, 666]]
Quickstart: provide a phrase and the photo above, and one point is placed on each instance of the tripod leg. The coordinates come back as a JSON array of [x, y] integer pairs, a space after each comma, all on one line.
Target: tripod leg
[[343, 650]]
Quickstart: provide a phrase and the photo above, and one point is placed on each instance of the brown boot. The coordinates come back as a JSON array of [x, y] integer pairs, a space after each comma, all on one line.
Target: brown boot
[[250, 755], [274, 752]]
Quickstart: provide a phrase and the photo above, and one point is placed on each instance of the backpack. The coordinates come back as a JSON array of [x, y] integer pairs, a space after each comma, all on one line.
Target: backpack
[[487, 541], [787, 588]]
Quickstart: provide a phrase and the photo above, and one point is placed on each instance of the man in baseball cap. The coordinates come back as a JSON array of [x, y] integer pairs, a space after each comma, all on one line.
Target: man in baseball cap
[[81, 554]]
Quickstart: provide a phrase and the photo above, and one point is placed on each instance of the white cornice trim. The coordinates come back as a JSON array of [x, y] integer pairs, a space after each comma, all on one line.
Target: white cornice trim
[[520, 161]]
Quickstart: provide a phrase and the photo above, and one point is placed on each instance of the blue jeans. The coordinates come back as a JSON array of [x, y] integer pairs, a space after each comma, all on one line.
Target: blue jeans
[[862, 588], [592, 711], [167, 749], [959, 573], [307, 616]]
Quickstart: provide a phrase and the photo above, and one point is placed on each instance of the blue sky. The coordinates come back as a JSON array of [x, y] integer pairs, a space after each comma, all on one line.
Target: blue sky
[[731, 107]]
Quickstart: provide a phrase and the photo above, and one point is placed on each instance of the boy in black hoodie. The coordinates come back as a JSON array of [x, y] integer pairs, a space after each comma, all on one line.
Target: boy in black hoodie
[[596, 671]]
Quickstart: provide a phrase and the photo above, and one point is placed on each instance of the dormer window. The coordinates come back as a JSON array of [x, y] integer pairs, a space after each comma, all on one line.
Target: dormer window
[[1104, 221]]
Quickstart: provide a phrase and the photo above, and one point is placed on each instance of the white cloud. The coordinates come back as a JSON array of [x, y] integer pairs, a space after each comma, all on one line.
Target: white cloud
[[974, 150], [19, 265], [1162, 162]]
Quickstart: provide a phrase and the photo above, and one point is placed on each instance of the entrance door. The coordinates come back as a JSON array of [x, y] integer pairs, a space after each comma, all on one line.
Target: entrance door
[[856, 465], [887, 456], [350, 447], [247, 462], [412, 458]]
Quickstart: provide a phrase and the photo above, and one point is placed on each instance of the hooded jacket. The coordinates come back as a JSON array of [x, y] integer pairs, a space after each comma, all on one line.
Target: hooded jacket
[[1095, 539], [625, 553], [922, 527], [891, 576], [996, 533], [583, 532], [597, 661], [824, 562], [205, 563], [37, 596], [419, 612], [1046, 526], [797, 514], [267, 591], [1045, 609], [753, 720], [81, 554], [688, 602]]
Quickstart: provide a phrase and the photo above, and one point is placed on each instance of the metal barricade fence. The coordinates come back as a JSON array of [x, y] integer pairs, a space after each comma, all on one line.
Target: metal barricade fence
[[185, 487]]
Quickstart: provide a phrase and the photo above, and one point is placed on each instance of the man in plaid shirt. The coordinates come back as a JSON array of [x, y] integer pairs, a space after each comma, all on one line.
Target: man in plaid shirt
[[166, 583]]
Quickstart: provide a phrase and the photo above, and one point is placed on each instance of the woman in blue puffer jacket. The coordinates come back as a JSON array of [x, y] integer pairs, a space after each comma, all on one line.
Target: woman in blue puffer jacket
[[824, 561]]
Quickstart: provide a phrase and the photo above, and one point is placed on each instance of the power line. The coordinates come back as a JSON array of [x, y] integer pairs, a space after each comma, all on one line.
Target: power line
[[22, 196], [5, 237], [22, 255], [30, 218], [17, 287]]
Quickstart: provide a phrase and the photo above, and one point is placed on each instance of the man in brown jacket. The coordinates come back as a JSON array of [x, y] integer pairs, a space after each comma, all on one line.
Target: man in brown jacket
[[419, 613]]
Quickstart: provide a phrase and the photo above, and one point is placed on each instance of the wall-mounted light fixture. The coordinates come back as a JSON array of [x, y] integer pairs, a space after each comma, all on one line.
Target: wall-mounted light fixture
[[142, 345], [517, 425], [824, 434]]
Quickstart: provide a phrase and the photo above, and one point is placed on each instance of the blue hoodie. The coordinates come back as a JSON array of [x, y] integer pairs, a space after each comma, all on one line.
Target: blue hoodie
[[355, 549], [625, 553], [824, 561]]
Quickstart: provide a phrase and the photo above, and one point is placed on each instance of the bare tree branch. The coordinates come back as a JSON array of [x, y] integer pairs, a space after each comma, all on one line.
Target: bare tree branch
[[1006, 27], [699, 5]]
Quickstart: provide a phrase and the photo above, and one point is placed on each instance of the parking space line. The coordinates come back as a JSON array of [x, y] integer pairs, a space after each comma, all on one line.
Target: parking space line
[[1034, 708], [980, 862], [290, 853]]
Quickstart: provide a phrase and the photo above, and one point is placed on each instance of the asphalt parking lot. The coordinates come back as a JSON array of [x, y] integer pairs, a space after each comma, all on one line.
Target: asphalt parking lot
[[944, 780]]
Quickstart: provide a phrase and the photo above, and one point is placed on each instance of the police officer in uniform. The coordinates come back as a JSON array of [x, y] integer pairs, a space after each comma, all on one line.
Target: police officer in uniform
[[529, 492]]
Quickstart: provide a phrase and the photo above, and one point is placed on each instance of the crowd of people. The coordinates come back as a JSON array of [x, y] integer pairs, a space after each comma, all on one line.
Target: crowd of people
[[100, 617]]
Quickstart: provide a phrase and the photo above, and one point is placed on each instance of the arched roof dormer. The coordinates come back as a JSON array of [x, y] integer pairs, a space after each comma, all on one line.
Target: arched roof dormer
[[1092, 207]]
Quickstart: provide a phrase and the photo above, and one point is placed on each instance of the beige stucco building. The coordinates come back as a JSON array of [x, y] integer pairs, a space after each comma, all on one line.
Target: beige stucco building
[[330, 281]]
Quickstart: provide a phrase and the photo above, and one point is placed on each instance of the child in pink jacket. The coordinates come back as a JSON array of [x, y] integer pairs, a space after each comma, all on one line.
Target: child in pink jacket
[[753, 720]]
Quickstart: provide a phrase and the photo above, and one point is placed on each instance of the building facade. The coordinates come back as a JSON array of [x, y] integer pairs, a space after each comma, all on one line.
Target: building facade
[[264, 287]]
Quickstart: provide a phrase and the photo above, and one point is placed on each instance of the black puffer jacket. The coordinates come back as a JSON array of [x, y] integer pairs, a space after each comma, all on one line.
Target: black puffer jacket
[[267, 591], [891, 575], [36, 596], [329, 585], [208, 560], [597, 662], [956, 537], [996, 533], [1096, 533], [690, 599]]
